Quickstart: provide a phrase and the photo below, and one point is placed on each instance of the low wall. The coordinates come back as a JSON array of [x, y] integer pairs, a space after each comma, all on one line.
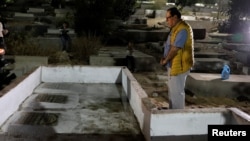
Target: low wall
[[12, 97], [212, 85], [155, 124], [14, 94]]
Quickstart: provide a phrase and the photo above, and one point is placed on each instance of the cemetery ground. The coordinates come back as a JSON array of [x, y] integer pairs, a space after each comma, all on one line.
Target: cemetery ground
[[154, 82], [155, 85]]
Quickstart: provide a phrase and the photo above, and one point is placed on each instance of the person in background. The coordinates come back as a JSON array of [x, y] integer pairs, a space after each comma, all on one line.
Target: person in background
[[178, 57], [129, 57], [65, 38], [3, 32], [2, 44]]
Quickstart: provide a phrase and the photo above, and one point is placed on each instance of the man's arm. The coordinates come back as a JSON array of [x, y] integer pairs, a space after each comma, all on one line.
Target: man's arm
[[178, 44], [5, 31], [173, 51]]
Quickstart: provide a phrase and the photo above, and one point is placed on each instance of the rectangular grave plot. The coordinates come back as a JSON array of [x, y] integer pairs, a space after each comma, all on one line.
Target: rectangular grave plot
[[51, 98], [45, 119]]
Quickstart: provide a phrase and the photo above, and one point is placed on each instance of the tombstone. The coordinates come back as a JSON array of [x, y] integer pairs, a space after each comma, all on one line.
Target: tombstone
[[199, 34], [62, 12], [139, 12], [210, 65], [150, 13], [37, 29], [35, 10], [160, 13], [188, 18], [24, 16], [56, 32]]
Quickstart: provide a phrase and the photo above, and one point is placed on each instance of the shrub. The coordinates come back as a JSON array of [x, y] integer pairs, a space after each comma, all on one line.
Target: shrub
[[18, 44], [83, 47]]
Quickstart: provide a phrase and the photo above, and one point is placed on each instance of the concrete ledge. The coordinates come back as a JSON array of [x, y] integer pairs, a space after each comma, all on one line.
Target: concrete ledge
[[181, 125], [212, 85], [101, 60], [155, 124], [212, 65], [210, 55], [146, 35], [24, 64], [246, 70], [49, 42], [116, 56], [18, 16], [243, 57], [14, 95]]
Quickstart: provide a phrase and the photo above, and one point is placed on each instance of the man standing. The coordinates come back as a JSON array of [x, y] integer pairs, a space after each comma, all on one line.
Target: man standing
[[65, 38], [178, 57]]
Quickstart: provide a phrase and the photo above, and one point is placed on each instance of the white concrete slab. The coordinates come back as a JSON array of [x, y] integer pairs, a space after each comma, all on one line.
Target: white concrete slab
[[212, 85], [35, 10], [99, 102]]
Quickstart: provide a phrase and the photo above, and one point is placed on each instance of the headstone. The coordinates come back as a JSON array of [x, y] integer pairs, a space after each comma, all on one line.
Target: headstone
[[24, 16], [160, 13], [56, 32], [35, 10], [62, 12], [246, 70]]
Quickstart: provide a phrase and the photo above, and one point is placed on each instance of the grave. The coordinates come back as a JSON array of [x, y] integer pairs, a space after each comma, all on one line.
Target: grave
[[210, 55], [116, 56], [121, 111], [18, 16], [212, 85], [60, 13], [35, 10], [242, 51], [209, 65], [51, 32]]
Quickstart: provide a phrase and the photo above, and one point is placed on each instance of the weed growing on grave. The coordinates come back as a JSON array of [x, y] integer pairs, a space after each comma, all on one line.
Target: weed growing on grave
[[21, 43], [84, 47]]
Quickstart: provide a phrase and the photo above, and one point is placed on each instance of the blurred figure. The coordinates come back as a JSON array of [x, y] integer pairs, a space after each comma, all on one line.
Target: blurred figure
[[65, 38], [3, 32], [130, 60]]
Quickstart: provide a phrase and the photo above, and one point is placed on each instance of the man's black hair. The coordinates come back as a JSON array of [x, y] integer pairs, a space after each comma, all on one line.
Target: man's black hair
[[174, 11]]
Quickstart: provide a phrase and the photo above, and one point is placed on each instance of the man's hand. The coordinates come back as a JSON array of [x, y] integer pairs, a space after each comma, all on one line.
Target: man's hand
[[163, 61], [5, 31]]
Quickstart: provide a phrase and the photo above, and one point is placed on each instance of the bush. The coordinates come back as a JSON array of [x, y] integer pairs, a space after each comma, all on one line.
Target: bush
[[83, 47], [18, 44]]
